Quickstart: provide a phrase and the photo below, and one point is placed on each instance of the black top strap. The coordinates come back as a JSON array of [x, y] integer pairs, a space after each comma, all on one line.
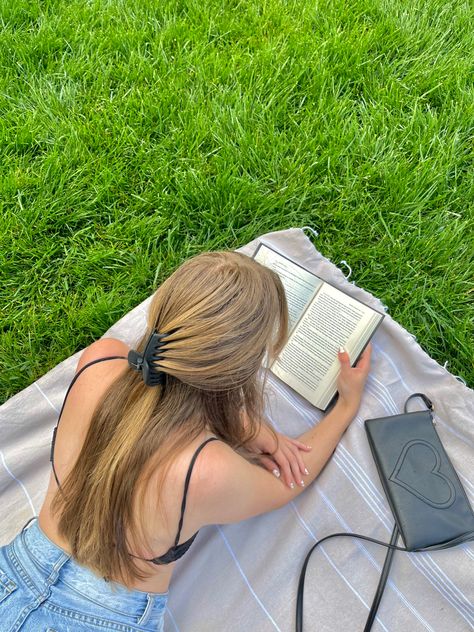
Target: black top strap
[[427, 401], [186, 485], [53, 441]]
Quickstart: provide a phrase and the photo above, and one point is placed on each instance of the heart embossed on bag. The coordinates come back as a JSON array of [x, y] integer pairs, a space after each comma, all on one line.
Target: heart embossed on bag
[[418, 463]]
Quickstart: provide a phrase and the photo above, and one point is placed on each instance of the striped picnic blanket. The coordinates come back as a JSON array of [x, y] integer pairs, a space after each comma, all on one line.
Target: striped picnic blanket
[[244, 576]]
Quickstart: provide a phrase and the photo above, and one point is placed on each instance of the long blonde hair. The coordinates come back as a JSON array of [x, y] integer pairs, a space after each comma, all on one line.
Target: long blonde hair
[[227, 313]]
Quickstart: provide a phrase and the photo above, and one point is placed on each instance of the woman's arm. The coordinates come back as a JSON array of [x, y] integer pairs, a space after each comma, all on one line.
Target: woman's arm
[[226, 475]]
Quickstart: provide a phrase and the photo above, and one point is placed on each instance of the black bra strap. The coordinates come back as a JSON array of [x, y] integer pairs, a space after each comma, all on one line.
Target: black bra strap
[[53, 441], [186, 485]]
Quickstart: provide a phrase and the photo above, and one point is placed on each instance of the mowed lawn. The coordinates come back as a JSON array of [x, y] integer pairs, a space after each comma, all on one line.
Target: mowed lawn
[[136, 133]]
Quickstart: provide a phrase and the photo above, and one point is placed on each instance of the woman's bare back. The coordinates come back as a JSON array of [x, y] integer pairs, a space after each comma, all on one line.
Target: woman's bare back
[[161, 530]]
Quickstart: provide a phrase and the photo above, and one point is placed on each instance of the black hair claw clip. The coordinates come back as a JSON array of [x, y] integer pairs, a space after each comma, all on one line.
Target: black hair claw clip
[[146, 362]]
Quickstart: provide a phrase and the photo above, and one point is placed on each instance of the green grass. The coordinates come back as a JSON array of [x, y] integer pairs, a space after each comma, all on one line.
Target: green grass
[[137, 133]]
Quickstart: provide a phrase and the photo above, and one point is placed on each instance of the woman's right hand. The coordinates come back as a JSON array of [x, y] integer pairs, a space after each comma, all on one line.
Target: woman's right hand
[[351, 380]]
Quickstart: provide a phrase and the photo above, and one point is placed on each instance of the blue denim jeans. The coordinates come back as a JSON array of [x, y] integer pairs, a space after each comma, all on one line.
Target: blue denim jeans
[[43, 589]]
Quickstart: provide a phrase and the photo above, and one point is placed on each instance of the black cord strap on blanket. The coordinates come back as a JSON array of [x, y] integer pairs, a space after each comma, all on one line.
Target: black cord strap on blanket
[[382, 581], [437, 547]]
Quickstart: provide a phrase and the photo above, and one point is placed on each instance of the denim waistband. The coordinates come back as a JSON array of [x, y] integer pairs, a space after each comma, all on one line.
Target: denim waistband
[[44, 557]]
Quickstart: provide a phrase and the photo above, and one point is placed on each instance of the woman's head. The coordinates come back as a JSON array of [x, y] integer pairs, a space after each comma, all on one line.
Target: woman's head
[[223, 313]]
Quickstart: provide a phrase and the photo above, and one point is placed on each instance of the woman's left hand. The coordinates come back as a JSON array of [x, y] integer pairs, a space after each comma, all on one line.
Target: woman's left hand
[[282, 459]]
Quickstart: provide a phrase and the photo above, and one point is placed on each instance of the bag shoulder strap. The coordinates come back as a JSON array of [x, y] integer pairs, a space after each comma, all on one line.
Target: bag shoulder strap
[[428, 402], [466, 537], [382, 581]]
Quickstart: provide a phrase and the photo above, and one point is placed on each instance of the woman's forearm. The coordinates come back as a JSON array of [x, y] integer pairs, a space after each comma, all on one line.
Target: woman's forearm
[[324, 438]]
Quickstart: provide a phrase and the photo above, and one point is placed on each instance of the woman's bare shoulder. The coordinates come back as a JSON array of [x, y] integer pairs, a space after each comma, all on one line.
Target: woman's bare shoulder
[[229, 488], [95, 379], [102, 348]]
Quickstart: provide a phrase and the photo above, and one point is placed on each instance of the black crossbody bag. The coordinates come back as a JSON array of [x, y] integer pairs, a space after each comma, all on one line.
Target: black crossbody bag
[[428, 502]]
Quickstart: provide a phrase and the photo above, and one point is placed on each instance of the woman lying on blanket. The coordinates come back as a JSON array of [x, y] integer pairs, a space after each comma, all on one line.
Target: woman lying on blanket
[[122, 505]]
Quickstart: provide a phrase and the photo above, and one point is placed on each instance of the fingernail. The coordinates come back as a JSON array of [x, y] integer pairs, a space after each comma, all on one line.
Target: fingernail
[[310, 447], [302, 483], [276, 472], [341, 350], [292, 485], [306, 471]]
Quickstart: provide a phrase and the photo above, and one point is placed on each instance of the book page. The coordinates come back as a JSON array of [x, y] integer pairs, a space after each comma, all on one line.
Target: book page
[[299, 284], [309, 362]]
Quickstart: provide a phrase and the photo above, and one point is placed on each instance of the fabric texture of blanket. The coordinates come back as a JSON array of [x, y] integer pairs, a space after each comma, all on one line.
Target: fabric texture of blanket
[[244, 576]]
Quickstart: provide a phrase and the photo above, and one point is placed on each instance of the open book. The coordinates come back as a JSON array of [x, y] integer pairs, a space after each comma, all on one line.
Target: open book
[[322, 318]]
